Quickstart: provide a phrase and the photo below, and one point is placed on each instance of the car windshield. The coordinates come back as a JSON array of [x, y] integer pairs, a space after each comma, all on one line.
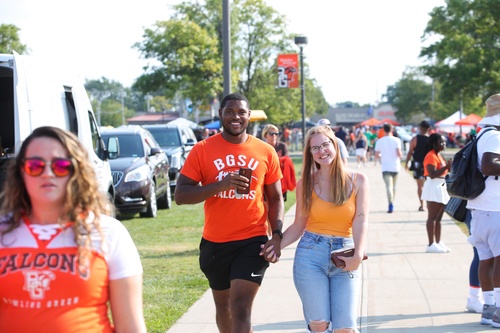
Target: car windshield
[[166, 137], [130, 145]]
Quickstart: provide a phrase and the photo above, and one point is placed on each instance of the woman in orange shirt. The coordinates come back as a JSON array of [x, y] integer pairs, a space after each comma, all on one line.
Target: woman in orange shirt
[[434, 191]]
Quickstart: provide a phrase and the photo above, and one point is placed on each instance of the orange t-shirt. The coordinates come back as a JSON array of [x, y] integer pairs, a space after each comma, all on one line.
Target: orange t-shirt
[[228, 218], [434, 159]]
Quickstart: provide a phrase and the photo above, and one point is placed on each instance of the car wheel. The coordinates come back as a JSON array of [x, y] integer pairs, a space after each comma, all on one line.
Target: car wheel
[[152, 205], [166, 199]]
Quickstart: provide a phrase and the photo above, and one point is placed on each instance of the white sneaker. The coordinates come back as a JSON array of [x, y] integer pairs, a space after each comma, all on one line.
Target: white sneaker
[[434, 248], [444, 247], [474, 305]]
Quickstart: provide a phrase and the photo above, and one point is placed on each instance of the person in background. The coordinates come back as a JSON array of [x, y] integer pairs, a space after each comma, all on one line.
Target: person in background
[[67, 259], [371, 138], [270, 134], [416, 155], [434, 191], [344, 154], [286, 135], [341, 134], [361, 144], [485, 226], [388, 149], [236, 225], [205, 133], [331, 213]]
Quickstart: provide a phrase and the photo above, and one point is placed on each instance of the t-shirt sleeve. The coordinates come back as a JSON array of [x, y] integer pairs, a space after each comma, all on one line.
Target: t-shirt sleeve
[[120, 252]]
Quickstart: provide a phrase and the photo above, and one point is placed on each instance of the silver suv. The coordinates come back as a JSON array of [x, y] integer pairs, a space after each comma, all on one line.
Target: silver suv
[[177, 141]]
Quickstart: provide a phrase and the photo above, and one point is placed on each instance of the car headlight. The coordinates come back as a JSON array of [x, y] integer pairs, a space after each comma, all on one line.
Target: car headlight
[[137, 175]]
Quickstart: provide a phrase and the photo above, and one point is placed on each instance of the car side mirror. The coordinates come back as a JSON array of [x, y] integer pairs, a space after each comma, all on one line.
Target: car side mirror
[[190, 142], [156, 151], [113, 148]]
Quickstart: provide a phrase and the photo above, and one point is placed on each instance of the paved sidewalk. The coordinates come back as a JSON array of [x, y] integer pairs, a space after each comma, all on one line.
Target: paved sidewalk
[[405, 289]]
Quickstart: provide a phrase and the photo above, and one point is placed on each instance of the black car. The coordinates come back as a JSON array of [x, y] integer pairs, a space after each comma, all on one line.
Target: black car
[[177, 141], [140, 172]]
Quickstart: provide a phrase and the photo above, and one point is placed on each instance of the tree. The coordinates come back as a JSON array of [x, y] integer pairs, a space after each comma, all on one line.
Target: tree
[[411, 95], [9, 40], [193, 36], [109, 100], [466, 57], [188, 60]]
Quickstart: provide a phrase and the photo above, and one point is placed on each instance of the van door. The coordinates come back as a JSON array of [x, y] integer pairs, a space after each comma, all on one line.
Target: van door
[[89, 134]]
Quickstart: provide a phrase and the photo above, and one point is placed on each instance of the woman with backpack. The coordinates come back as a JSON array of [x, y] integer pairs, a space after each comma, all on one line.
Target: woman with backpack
[[434, 191]]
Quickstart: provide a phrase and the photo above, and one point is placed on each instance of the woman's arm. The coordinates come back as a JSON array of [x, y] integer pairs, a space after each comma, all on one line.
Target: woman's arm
[[434, 172], [360, 221], [125, 296]]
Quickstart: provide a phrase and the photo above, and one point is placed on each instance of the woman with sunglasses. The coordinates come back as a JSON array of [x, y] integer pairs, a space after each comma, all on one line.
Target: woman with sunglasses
[[331, 214], [61, 259], [271, 134]]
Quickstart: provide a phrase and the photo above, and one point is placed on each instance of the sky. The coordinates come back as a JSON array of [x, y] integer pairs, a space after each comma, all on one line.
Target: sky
[[356, 48]]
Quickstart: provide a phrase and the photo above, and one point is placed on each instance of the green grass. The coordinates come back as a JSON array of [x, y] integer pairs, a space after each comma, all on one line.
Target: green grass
[[168, 246]]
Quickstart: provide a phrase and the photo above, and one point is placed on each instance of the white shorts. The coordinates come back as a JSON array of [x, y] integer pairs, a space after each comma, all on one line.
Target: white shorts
[[361, 152], [435, 190], [485, 231]]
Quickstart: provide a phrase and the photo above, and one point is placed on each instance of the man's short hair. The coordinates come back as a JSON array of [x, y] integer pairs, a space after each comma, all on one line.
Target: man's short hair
[[234, 97], [387, 127], [425, 124]]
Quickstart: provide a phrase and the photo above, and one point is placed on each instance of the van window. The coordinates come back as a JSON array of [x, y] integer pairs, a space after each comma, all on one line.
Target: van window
[[71, 111], [96, 146], [6, 112]]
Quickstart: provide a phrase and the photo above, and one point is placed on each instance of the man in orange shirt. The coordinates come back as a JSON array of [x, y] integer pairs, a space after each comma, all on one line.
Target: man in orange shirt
[[235, 231]]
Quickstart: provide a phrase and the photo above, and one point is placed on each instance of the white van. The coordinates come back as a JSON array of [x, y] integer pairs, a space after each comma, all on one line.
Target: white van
[[34, 93]]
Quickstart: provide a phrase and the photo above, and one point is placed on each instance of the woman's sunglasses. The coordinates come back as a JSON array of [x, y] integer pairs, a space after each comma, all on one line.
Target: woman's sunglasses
[[61, 167]]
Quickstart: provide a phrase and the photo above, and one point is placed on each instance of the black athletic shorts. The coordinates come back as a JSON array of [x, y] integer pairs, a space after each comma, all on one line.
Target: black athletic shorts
[[418, 171], [223, 262]]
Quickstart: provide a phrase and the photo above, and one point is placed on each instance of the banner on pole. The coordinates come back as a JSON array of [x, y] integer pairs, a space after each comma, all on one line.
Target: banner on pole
[[288, 73]]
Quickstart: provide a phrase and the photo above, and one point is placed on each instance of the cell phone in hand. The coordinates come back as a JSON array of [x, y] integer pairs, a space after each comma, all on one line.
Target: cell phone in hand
[[247, 173]]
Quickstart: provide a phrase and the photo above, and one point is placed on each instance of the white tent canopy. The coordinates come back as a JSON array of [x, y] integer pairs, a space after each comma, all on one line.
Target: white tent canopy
[[448, 124]]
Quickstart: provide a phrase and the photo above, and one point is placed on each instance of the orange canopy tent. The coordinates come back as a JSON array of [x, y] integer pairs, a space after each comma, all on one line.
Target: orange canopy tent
[[390, 121], [471, 119], [370, 122]]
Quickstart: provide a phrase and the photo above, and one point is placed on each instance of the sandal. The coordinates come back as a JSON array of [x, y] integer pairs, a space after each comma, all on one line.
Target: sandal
[[420, 209]]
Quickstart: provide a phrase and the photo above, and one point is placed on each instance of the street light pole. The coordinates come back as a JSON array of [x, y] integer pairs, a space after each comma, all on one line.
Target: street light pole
[[301, 41]]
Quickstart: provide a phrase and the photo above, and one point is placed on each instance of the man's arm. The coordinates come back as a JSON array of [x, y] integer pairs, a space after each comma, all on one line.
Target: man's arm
[[271, 251], [490, 164], [188, 191], [413, 144]]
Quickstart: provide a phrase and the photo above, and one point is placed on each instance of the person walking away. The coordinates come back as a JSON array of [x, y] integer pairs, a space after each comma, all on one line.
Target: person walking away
[[434, 191], [63, 260], [485, 226], [236, 225], [331, 213], [361, 144], [388, 149], [341, 134], [416, 154], [344, 154]]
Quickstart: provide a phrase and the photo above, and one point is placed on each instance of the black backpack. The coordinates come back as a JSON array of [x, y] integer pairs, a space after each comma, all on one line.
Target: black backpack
[[465, 180]]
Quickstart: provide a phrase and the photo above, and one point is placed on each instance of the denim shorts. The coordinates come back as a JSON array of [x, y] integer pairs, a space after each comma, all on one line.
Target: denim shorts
[[327, 292]]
